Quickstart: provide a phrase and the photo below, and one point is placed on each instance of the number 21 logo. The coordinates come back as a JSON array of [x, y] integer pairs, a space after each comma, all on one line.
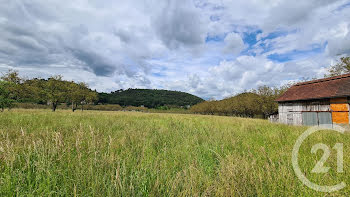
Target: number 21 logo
[[319, 167]]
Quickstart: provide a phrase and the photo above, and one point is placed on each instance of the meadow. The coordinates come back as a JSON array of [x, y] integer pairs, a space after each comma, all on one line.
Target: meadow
[[94, 153]]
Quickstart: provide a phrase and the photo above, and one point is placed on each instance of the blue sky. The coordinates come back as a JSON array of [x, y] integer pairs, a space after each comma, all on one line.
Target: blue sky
[[210, 48]]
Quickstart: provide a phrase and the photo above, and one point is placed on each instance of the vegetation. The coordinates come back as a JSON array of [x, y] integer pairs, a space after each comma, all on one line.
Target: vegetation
[[342, 67], [139, 154], [149, 98], [5, 95], [67, 106], [54, 91], [256, 103]]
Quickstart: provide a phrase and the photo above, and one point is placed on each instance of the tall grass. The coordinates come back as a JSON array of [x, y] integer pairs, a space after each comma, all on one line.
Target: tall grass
[[137, 154]]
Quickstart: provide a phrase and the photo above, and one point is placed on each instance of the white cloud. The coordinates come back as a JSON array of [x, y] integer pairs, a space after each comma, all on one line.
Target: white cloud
[[162, 44], [179, 23], [234, 43], [247, 72], [339, 44]]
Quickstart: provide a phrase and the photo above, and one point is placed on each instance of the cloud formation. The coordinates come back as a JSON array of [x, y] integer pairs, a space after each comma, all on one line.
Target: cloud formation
[[211, 48], [234, 43]]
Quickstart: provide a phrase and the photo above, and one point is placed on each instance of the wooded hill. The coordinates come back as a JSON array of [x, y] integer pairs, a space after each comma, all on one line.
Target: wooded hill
[[149, 98]]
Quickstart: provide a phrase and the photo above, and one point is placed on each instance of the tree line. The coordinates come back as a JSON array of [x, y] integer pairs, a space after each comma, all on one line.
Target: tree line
[[52, 91], [255, 103]]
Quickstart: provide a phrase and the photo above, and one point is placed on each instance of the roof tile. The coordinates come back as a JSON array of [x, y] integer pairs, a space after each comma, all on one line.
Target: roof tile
[[331, 87]]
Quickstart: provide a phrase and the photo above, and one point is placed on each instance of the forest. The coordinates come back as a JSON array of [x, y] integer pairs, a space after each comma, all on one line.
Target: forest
[[149, 98]]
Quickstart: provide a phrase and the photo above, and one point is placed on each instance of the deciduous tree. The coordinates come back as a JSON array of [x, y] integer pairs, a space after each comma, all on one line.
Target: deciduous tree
[[342, 67], [5, 95], [56, 91], [13, 84]]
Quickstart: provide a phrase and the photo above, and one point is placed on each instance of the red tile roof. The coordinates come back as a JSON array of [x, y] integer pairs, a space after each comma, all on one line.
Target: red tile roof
[[332, 87]]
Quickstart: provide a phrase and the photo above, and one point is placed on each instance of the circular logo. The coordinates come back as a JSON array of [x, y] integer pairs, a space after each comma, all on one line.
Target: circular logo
[[318, 168]]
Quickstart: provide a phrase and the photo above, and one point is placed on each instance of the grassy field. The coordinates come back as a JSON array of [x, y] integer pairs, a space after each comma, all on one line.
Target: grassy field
[[95, 153]]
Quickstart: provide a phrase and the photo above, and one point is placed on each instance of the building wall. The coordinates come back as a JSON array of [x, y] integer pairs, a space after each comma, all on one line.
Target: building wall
[[340, 110], [291, 112]]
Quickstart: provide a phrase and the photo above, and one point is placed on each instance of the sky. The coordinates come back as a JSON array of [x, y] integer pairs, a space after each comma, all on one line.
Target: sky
[[209, 48]]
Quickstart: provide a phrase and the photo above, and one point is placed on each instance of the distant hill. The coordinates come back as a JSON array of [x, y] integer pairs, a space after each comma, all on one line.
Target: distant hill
[[149, 98]]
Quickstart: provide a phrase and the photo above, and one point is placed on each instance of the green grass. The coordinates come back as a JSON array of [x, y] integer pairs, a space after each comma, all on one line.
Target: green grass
[[94, 153]]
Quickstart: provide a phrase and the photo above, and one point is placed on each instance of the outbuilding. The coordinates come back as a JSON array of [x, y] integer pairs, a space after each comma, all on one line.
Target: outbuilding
[[316, 102]]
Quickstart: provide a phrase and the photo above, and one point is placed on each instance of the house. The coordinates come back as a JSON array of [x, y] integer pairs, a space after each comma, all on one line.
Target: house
[[316, 102]]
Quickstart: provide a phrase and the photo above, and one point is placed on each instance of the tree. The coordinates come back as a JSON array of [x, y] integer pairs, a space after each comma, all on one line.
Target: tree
[[88, 96], [75, 95], [51, 91], [12, 76], [80, 94], [342, 67], [5, 99], [255, 103], [247, 104], [13, 85], [35, 90], [56, 91], [267, 97]]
